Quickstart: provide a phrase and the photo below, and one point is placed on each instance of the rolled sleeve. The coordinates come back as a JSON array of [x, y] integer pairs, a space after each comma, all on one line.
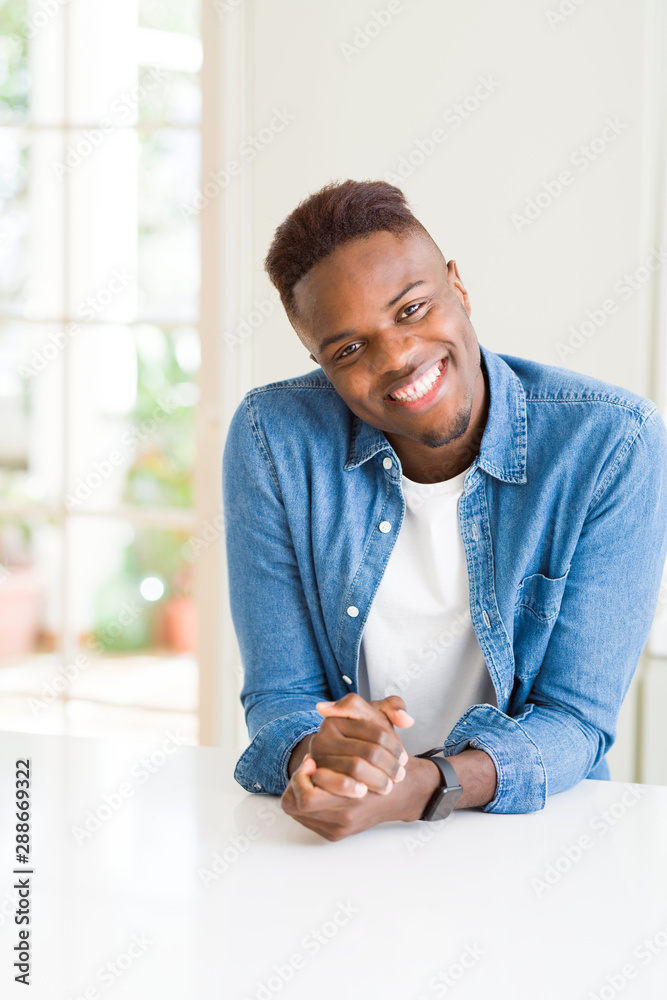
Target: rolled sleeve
[[263, 766], [521, 778]]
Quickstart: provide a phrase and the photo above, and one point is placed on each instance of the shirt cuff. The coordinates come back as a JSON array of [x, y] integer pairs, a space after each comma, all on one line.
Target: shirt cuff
[[262, 767], [521, 776]]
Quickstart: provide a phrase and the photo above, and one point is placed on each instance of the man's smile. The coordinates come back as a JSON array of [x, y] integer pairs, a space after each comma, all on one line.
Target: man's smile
[[423, 390]]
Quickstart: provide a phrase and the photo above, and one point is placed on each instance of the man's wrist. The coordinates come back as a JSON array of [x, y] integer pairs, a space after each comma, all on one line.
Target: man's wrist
[[474, 769], [298, 753], [477, 777]]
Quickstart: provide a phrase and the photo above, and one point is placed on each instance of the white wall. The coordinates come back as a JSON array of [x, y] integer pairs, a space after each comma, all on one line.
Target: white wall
[[358, 113]]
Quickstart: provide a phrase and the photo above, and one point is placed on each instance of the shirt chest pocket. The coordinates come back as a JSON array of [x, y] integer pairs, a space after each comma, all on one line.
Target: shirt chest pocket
[[536, 609]]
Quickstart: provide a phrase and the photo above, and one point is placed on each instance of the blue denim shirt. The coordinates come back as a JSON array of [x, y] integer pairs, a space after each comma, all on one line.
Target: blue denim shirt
[[563, 520]]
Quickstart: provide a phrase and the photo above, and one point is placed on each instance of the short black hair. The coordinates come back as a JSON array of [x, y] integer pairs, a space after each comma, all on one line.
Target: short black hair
[[332, 216]]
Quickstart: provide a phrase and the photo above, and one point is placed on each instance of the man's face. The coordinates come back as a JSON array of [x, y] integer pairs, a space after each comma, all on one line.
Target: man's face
[[383, 313]]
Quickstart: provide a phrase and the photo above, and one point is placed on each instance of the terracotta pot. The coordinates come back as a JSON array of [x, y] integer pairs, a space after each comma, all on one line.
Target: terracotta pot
[[21, 594], [180, 624]]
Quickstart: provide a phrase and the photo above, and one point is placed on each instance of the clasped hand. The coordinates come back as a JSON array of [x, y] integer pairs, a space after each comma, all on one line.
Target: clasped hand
[[350, 779]]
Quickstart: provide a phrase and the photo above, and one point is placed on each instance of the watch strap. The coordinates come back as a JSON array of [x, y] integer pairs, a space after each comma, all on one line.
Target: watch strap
[[449, 782]]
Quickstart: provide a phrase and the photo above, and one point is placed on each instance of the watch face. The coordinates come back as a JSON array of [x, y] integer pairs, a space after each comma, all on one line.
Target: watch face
[[444, 806]]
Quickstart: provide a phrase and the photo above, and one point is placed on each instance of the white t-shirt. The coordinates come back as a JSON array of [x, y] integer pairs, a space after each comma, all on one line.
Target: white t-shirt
[[418, 641]]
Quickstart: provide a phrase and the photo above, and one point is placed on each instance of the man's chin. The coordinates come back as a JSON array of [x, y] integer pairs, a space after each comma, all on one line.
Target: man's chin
[[437, 438]]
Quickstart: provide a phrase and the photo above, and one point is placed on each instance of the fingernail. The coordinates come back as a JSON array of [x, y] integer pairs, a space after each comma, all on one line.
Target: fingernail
[[360, 789], [400, 774], [401, 711], [325, 703], [403, 759], [390, 785]]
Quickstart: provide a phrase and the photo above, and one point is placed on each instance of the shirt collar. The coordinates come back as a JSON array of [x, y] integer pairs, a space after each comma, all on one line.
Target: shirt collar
[[504, 443]]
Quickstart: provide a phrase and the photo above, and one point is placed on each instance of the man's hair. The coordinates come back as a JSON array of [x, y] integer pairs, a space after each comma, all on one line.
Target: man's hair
[[334, 215]]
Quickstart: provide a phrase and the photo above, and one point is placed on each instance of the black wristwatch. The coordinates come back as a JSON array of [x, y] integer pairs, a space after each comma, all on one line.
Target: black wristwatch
[[446, 796]]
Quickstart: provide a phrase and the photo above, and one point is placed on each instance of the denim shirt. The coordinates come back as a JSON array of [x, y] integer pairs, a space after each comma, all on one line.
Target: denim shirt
[[563, 520]]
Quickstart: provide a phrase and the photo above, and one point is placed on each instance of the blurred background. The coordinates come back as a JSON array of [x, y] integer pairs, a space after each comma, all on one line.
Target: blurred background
[[148, 150]]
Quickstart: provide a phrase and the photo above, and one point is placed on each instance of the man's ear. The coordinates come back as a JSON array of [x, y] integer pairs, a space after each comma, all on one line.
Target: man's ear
[[454, 279], [313, 359]]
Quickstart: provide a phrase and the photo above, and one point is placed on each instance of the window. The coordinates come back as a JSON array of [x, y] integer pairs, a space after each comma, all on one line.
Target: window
[[100, 143]]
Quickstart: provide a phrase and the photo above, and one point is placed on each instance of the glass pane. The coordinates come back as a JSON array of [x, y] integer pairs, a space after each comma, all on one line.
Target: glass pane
[[30, 600], [14, 73], [103, 225], [102, 60], [31, 406], [133, 417], [169, 234], [169, 97], [171, 15], [31, 252], [131, 589]]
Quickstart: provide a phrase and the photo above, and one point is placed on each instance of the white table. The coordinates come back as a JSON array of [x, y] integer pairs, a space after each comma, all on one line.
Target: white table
[[555, 904]]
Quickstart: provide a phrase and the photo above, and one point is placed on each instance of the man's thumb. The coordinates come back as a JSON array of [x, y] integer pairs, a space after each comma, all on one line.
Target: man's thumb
[[393, 708]]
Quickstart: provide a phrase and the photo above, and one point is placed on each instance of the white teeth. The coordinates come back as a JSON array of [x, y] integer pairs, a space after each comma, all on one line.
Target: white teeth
[[421, 387]]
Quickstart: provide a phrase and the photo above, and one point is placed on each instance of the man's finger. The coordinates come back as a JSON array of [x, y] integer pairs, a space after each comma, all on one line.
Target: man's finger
[[339, 784], [308, 797], [353, 706]]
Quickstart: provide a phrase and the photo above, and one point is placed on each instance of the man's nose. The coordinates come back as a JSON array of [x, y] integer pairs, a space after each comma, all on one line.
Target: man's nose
[[395, 353]]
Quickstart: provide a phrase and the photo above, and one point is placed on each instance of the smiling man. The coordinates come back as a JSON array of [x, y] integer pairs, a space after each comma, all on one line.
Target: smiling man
[[421, 523]]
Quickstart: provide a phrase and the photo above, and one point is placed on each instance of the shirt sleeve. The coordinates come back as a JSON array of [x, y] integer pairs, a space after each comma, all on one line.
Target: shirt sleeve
[[283, 672], [569, 720]]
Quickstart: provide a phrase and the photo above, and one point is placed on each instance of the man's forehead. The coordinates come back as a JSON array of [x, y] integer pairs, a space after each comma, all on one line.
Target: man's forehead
[[376, 267]]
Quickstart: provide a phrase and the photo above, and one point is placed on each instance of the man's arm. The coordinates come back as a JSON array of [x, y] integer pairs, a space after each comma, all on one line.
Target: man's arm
[[284, 672], [569, 720]]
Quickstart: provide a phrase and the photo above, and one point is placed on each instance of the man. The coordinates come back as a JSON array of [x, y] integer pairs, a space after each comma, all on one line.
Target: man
[[420, 516]]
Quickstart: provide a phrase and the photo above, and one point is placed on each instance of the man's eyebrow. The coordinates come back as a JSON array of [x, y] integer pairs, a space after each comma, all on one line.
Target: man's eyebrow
[[335, 337], [405, 291]]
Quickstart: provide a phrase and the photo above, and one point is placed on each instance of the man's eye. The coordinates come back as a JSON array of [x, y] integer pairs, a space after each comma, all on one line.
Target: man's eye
[[343, 353], [414, 306]]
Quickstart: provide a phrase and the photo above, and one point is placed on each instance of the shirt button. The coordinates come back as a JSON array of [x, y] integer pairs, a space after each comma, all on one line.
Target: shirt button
[[348, 680], [486, 618], [352, 611], [387, 462], [257, 786], [384, 527]]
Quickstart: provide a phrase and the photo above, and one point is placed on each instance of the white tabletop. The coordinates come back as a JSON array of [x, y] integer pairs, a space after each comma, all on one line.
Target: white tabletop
[[567, 903]]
